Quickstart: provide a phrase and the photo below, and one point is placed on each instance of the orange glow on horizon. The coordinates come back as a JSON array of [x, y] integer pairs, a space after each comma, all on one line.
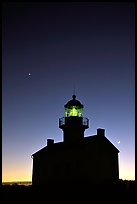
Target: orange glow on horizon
[[16, 172], [14, 175]]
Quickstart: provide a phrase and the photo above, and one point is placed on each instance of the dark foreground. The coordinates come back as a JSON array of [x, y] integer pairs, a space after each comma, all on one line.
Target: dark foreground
[[80, 192]]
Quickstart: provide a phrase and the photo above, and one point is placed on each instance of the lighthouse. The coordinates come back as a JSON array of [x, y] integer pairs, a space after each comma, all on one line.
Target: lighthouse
[[77, 158]]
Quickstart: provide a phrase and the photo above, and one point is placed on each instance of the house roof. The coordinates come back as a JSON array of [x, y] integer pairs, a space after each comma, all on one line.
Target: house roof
[[94, 141]]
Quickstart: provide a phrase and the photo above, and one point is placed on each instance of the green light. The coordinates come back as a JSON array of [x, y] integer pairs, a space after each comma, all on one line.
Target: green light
[[73, 111]]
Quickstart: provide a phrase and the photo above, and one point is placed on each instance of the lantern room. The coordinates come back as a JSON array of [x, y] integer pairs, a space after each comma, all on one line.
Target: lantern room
[[73, 108]]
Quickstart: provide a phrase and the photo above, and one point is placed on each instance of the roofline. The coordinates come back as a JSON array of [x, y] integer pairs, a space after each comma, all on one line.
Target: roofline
[[85, 137]]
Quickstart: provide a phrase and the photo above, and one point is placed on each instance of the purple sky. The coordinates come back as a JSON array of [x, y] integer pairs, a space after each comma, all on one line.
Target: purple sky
[[89, 45]]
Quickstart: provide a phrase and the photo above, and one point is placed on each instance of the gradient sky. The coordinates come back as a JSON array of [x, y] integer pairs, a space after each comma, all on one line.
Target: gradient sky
[[62, 45]]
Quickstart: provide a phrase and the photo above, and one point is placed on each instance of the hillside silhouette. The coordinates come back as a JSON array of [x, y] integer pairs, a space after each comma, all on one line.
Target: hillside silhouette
[[80, 191]]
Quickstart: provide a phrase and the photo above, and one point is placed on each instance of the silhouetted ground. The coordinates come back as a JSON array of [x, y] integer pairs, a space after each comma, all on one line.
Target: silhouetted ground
[[80, 192]]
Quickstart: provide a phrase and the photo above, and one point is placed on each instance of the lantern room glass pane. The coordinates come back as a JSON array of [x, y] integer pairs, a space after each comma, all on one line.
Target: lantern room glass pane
[[73, 111]]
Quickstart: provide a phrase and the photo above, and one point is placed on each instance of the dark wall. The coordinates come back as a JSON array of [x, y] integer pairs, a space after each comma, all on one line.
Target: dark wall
[[84, 162]]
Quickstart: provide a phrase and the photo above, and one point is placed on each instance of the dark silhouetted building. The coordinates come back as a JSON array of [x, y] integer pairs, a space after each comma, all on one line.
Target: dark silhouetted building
[[78, 158]]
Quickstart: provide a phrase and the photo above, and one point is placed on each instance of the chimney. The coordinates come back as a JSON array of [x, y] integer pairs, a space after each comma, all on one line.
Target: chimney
[[100, 132], [50, 142]]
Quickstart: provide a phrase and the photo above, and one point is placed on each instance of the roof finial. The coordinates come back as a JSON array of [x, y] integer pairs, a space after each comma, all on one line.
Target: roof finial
[[74, 96]]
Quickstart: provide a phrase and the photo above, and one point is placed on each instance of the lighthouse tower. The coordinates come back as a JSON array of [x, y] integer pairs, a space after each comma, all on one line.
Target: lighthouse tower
[[73, 124]]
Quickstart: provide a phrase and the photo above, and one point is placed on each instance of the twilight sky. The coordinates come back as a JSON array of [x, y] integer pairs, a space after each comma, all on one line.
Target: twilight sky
[[47, 49]]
